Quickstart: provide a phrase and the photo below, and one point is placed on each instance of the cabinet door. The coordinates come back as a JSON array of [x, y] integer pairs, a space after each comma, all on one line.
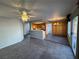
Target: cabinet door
[[60, 28]]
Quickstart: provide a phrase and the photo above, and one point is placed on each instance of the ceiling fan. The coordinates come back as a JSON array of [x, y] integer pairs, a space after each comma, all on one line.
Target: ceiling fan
[[23, 12]]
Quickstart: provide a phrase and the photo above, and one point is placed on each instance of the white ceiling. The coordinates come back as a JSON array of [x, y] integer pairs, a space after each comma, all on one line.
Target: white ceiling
[[41, 9]]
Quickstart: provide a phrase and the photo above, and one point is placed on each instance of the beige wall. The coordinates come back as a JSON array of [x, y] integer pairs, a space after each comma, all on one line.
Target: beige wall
[[11, 32]]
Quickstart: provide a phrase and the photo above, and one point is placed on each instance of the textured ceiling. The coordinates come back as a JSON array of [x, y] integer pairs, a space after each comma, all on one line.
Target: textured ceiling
[[41, 9]]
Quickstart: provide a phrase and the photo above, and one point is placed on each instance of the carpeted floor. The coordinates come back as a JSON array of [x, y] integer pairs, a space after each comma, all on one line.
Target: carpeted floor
[[57, 39], [31, 48]]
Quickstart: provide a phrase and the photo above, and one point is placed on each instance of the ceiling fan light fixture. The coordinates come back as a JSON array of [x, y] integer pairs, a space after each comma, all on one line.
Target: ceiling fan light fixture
[[24, 16], [17, 5], [31, 16]]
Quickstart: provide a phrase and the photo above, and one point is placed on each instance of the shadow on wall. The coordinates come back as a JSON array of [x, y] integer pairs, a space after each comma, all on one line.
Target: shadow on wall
[[26, 28]]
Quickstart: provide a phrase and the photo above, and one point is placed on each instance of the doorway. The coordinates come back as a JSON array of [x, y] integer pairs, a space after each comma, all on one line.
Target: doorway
[[49, 28], [74, 33]]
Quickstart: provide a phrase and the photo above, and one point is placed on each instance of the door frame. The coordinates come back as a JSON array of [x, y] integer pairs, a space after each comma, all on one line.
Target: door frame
[[77, 49]]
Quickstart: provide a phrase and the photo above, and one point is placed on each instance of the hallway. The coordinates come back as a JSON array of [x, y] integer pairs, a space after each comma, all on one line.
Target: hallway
[[31, 48]]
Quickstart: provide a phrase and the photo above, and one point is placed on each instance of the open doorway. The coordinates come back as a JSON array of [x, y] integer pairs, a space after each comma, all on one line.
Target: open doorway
[[56, 32], [49, 28]]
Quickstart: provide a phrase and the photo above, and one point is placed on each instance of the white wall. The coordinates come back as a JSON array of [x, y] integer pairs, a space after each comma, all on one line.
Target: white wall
[[26, 28], [11, 32], [39, 34], [48, 28]]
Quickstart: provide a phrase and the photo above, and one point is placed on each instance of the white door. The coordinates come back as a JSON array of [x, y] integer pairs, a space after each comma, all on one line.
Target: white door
[[74, 34]]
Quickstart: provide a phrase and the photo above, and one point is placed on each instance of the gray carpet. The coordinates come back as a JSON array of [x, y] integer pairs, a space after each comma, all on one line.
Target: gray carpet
[[57, 39], [31, 48]]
